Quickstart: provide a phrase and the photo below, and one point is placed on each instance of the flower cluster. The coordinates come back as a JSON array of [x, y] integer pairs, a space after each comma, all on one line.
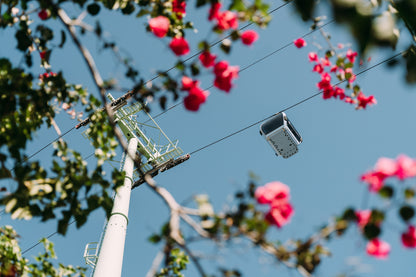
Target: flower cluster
[[161, 26], [196, 95], [402, 167], [342, 71], [275, 194]]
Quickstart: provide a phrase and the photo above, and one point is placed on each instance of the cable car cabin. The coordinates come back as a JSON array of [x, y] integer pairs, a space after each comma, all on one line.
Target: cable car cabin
[[281, 135]]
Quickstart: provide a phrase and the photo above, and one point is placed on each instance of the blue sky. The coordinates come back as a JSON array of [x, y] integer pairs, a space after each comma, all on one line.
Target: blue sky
[[339, 145]]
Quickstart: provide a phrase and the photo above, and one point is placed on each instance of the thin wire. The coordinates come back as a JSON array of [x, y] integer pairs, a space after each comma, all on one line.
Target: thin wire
[[294, 105], [250, 65]]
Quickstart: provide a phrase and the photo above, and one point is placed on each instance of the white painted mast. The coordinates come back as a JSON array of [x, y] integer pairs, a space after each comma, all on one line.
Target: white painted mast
[[110, 259]]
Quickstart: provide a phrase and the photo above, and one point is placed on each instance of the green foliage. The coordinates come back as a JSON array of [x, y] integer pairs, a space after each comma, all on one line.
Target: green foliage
[[13, 264], [176, 262]]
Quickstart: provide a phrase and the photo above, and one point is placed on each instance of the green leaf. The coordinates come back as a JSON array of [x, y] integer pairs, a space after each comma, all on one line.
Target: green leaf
[[371, 231], [349, 214], [386, 192], [406, 212], [409, 193], [23, 40], [93, 9], [154, 238]]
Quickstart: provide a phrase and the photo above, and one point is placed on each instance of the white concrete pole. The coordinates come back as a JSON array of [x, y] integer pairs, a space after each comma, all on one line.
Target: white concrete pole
[[110, 258]]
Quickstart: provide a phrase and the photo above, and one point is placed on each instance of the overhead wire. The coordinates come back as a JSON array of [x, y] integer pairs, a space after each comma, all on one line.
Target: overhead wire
[[255, 123], [157, 76]]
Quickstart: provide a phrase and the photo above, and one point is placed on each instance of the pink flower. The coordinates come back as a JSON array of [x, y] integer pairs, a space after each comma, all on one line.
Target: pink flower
[[66, 106], [195, 98], [207, 59], [378, 248], [406, 167], [409, 238], [351, 55], [300, 42], [349, 100], [325, 62], [179, 6], [363, 101], [159, 26], [272, 192], [188, 83], [386, 166], [43, 14], [334, 68], [318, 68], [363, 217], [375, 180], [325, 83], [313, 57], [179, 46], [279, 214], [249, 37], [227, 20], [328, 93], [339, 92], [214, 10], [224, 74]]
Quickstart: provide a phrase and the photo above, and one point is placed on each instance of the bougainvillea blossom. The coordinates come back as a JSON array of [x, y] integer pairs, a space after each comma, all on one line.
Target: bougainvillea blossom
[[227, 20], [386, 166], [179, 7], [224, 75], [42, 55], [207, 59], [363, 100], [378, 248], [214, 10], [362, 217], [374, 179], [351, 55], [179, 46], [249, 37], [318, 68], [409, 237], [195, 98], [313, 57], [273, 191], [279, 214], [43, 14], [188, 83], [406, 167], [299, 43], [159, 25]]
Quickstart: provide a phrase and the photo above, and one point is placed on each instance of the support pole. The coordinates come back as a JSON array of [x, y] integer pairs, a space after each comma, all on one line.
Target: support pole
[[110, 257]]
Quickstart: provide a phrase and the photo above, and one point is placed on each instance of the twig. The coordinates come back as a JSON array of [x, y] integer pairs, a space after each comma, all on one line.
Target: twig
[[155, 264], [194, 260]]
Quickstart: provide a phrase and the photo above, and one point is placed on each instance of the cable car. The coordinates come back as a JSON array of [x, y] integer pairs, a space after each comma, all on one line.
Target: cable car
[[281, 135]]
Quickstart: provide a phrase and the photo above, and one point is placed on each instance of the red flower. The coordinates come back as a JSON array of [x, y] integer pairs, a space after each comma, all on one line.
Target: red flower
[[179, 6], [363, 217], [214, 10], [374, 180], [271, 192], [43, 14], [195, 98], [409, 238], [179, 46], [339, 92], [279, 214], [42, 55], [406, 167], [325, 62], [188, 83], [227, 20], [313, 57], [159, 26], [350, 75], [328, 93], [351, 55], [207, 59], [349, 100], [378, 248], [363, 101], [248, 37], [224, 74], [325, 83], [318, 68], [334, 68], [300, 42]]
